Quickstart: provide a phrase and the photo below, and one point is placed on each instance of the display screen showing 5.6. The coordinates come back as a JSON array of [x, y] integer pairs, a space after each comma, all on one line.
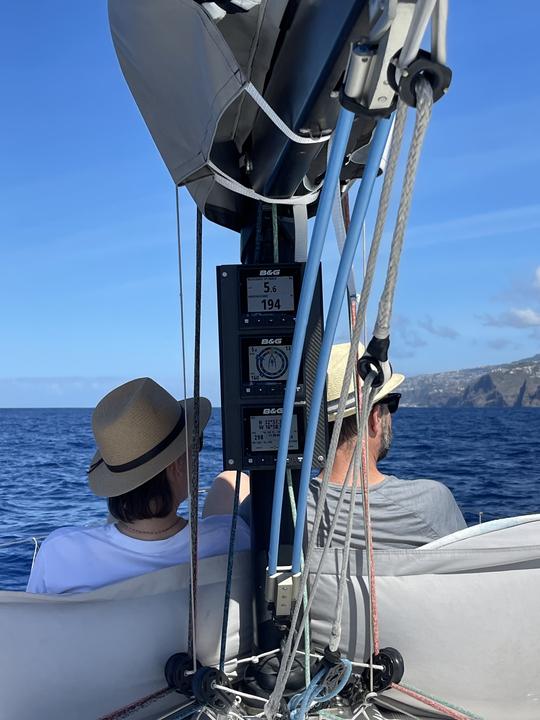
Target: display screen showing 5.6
[[270, 294]]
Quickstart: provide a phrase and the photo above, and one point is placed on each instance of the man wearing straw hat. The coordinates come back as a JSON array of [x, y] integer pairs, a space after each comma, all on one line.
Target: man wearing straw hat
[[404, 513], [142, 435]]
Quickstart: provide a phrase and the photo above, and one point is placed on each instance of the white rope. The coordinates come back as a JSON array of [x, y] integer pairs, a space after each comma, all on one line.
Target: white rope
[[36, 548], [192, 640], [439, 23], [397, 138], [424, 104], [269, 111], [255, 658], [422, 14], [238, 693]]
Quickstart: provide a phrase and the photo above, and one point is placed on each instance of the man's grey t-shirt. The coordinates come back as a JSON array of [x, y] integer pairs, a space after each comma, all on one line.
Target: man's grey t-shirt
[[404, 513]]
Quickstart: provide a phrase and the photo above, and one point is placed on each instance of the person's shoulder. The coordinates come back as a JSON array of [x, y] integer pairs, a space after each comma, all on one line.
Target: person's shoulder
[[420, 486], [70, 534]]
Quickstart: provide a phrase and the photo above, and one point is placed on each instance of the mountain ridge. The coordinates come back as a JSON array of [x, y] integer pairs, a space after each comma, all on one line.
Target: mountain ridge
[[513, 384]]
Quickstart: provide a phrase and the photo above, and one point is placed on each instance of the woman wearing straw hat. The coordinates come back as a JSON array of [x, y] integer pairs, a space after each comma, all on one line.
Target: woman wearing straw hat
[[142, 434], [404, 513]]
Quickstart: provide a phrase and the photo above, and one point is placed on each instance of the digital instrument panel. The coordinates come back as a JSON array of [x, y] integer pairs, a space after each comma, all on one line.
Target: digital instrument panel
[[257, 314], [270, 294]]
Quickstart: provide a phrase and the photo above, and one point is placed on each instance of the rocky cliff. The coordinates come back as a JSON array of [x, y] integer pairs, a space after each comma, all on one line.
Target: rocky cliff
[[515, 384]]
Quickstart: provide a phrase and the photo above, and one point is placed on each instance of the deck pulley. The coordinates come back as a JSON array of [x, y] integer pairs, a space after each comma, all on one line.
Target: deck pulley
[[179, 672], [438, 75], [205, 690], [394, 667]]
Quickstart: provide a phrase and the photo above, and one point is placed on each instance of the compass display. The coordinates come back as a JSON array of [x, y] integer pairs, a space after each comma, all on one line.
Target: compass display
[[268, 363], [270, 294]]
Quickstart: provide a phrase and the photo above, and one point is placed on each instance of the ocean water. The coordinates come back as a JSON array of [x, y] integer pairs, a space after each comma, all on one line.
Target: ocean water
[[489, 458]]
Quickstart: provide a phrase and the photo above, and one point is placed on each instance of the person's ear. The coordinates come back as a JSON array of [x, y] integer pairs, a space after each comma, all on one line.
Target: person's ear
[[375, 421], [176, 470]]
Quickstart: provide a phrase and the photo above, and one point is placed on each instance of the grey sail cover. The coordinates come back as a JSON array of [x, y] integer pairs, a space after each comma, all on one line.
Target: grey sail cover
[[181, 73]]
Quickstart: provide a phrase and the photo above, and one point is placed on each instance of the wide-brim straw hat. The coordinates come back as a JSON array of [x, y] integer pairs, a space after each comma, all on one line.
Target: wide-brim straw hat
[[334, 381], [140, 429]]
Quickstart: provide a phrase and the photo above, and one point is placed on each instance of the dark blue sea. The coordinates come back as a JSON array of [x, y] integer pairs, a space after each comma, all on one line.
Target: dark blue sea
[[489, 458]]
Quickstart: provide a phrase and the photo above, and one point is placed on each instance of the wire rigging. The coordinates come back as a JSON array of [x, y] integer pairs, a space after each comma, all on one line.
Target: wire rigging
[[192, 631]]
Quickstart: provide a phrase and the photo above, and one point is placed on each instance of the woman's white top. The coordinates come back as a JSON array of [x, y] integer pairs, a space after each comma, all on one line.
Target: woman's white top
[[77, 560]]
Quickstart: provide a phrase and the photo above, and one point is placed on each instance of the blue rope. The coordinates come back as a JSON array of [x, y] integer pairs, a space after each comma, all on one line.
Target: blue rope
[[300, 703], [322, 220], [376, 151]]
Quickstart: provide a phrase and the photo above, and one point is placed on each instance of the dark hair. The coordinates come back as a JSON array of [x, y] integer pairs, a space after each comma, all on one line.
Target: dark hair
[[153, 499], [349, 429], [348, 432]]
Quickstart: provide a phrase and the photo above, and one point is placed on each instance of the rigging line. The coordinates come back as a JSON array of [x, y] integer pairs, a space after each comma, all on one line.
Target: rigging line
[[136, 705], [422, 14], [293, 638], [195, 438], [367, 404], [439, 23], [307, 638], [36, 548], [228, 583], [378, 144], [335, 632], [453, 711], [382, 212], [424, 104], [322, 220], [192, 631]]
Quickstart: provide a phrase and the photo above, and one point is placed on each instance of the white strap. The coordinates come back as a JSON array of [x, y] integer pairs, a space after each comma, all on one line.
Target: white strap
[[278, 122], [228, 182], [300, 233], [231, 184]]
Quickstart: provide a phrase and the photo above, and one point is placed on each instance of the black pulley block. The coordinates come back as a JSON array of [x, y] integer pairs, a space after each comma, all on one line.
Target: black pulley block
[[371, 361], [392, 672], [205, 691], [176, 668], [331, 663], [439, 77]]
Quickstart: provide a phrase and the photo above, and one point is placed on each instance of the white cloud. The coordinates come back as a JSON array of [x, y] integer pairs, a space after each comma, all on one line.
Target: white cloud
[[516, 317]]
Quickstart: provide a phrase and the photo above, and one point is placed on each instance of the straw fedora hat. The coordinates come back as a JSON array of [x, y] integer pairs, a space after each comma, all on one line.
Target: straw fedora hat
[[140, 429], [334, 381]]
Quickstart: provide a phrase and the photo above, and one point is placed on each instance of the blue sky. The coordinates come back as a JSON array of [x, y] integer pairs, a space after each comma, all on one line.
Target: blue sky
[[88, 269]]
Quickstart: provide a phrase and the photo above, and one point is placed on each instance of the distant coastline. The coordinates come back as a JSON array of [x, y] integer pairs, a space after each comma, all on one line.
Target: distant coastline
[[515, 384]]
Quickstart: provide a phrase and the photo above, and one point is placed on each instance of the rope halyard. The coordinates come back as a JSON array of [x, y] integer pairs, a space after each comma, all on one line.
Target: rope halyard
[[192, 631], [294, 636], [424, 97], [195, 439]]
